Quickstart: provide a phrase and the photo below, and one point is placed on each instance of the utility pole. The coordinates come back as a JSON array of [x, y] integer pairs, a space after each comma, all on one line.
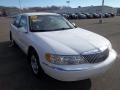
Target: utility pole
[[101, 19], [68, 2], [20, 6]]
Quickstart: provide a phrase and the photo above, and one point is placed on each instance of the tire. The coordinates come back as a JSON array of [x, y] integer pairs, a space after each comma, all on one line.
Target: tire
[[10, 36], [34, 63], [12, 41]]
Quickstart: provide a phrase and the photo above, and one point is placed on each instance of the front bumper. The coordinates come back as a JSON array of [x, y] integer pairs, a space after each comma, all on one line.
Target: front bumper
[[79, 72]]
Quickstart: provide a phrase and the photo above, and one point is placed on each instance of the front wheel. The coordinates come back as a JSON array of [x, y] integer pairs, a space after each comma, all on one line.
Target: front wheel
[[34, 63]]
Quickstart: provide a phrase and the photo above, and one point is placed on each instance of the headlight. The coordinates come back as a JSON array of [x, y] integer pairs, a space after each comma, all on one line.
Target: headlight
[[110, 46], [64, 59]]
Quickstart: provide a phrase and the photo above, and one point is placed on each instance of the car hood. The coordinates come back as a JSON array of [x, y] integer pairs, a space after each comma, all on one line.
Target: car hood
[[72, 41]]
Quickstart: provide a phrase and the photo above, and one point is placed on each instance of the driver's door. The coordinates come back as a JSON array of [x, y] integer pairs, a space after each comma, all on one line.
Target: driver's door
[[23, 32], [15, 29]]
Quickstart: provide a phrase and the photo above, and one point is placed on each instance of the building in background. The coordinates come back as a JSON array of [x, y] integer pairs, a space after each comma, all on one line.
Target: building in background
[[89, 9]]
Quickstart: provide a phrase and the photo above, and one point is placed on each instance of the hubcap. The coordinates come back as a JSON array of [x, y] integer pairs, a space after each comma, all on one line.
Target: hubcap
[[34, 64]]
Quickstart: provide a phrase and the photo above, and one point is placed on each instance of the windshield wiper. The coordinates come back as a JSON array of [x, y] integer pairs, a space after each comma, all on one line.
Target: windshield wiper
[[63, 28], [50, 30]]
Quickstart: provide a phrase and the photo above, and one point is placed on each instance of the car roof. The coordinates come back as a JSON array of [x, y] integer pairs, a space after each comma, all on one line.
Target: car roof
[[38, 13]]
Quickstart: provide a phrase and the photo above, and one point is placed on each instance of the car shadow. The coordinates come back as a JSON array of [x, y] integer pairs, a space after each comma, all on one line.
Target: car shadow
[[16, 74]]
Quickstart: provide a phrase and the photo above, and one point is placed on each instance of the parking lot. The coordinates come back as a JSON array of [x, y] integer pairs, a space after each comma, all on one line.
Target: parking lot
[[16, 75]]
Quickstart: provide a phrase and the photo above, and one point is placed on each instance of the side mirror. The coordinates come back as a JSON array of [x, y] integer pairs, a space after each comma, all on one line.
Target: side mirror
[[74, 24], [22, 29]]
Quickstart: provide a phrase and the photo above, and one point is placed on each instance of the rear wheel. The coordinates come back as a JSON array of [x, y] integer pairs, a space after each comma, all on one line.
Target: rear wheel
[[11, 40], [10, 36]]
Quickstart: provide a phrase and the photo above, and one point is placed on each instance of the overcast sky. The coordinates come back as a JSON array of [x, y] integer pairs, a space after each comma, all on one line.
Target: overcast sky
[[73, 3]]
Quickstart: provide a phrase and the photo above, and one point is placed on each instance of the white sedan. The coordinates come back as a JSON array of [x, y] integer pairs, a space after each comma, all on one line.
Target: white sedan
[[56, 47]]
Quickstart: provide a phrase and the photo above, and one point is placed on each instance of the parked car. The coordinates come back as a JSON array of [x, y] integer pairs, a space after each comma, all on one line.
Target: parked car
[[74, 16], [95, 15], [88, 15], [56, 47], [112, 14], [69, 15], [102, 15], [81, 16], [107, 15], [65, 15]]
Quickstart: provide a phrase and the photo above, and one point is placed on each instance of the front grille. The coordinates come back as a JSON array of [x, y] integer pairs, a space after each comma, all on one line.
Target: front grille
[[97, 57]]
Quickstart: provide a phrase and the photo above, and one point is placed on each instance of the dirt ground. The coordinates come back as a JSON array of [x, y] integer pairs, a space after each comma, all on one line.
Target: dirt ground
[[15, 73]]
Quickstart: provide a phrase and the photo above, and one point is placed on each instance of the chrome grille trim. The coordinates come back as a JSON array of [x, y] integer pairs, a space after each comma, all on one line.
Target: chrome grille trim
[[97, 57]]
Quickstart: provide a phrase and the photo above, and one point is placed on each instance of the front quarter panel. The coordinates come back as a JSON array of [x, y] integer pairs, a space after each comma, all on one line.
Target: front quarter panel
[[40, 46]]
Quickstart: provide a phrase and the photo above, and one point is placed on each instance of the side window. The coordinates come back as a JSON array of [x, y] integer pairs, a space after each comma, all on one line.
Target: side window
[[23, 22], [16, 21]]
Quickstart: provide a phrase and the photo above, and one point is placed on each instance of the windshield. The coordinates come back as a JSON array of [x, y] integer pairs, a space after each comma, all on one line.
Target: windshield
[[49, 23]]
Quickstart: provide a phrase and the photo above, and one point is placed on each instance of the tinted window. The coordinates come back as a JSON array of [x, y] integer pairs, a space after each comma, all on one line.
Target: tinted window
[[23, 22], [49, 23], [16, 21]]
